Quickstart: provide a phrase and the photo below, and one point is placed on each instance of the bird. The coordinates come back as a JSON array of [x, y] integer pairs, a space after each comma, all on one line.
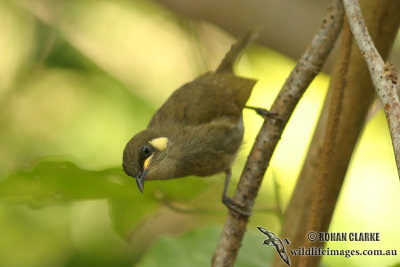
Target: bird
[[198, 130]]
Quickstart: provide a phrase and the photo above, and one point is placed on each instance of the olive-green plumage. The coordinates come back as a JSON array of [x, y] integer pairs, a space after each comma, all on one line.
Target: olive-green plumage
[[197, 131]]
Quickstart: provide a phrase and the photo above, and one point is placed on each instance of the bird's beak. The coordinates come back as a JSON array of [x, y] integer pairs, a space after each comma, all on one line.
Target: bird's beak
[[140, 180], [141, 176]]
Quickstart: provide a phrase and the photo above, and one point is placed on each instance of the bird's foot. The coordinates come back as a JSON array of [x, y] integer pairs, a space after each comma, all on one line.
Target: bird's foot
[[234, 207], [229, 203], [265, 113]]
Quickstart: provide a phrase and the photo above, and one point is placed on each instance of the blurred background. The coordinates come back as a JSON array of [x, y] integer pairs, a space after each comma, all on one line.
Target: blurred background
[[79, 78]]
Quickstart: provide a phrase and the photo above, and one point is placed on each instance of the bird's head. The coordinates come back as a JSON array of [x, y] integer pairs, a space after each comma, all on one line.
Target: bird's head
[[143, 157]]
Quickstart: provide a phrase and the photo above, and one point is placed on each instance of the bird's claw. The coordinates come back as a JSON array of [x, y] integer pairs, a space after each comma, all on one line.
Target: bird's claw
[[234, 207]]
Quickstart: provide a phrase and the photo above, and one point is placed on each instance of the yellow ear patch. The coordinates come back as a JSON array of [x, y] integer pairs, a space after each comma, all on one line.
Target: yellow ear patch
[[147, 162], [159, 143]]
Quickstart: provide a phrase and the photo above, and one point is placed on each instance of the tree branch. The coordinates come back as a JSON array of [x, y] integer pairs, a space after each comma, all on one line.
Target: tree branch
[[382, 75], [382, 18], [299, 79], [319, 198]]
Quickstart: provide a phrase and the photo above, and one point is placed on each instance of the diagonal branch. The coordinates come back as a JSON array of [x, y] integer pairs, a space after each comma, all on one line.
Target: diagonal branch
[[382, 75], [299, 79], [320, 190], [382, 18]]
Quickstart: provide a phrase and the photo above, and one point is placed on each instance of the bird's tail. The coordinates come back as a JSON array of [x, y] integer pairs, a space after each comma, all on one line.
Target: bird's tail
[[236, 49]]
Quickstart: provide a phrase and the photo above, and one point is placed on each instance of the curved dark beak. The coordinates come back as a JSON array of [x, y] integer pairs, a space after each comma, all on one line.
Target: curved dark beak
[[140, 180]]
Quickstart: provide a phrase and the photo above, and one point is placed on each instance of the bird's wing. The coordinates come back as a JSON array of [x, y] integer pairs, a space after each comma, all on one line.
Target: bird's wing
[[210, 96]]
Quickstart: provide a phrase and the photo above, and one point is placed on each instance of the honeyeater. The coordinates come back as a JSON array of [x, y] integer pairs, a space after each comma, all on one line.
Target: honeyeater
[[197, 131]]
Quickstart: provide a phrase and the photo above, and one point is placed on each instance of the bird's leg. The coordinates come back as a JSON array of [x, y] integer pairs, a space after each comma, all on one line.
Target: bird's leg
[[232, 206], [265, 113]]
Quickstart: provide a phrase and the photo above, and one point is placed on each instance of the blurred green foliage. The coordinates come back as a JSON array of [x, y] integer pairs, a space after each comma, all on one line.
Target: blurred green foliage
[[55, 183], [195, 247], [78, 79]]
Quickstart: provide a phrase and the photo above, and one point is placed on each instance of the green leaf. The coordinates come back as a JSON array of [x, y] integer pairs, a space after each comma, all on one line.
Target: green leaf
[[52, 182], [55, 182], [125, 213]]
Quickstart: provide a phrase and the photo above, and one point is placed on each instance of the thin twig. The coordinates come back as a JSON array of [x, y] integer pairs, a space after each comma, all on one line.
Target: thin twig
[[299, 79], [194, 210], [382, 75], [185, 208]]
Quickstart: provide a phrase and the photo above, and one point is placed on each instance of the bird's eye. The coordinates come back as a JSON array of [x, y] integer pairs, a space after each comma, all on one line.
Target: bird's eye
[[145, 151]]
